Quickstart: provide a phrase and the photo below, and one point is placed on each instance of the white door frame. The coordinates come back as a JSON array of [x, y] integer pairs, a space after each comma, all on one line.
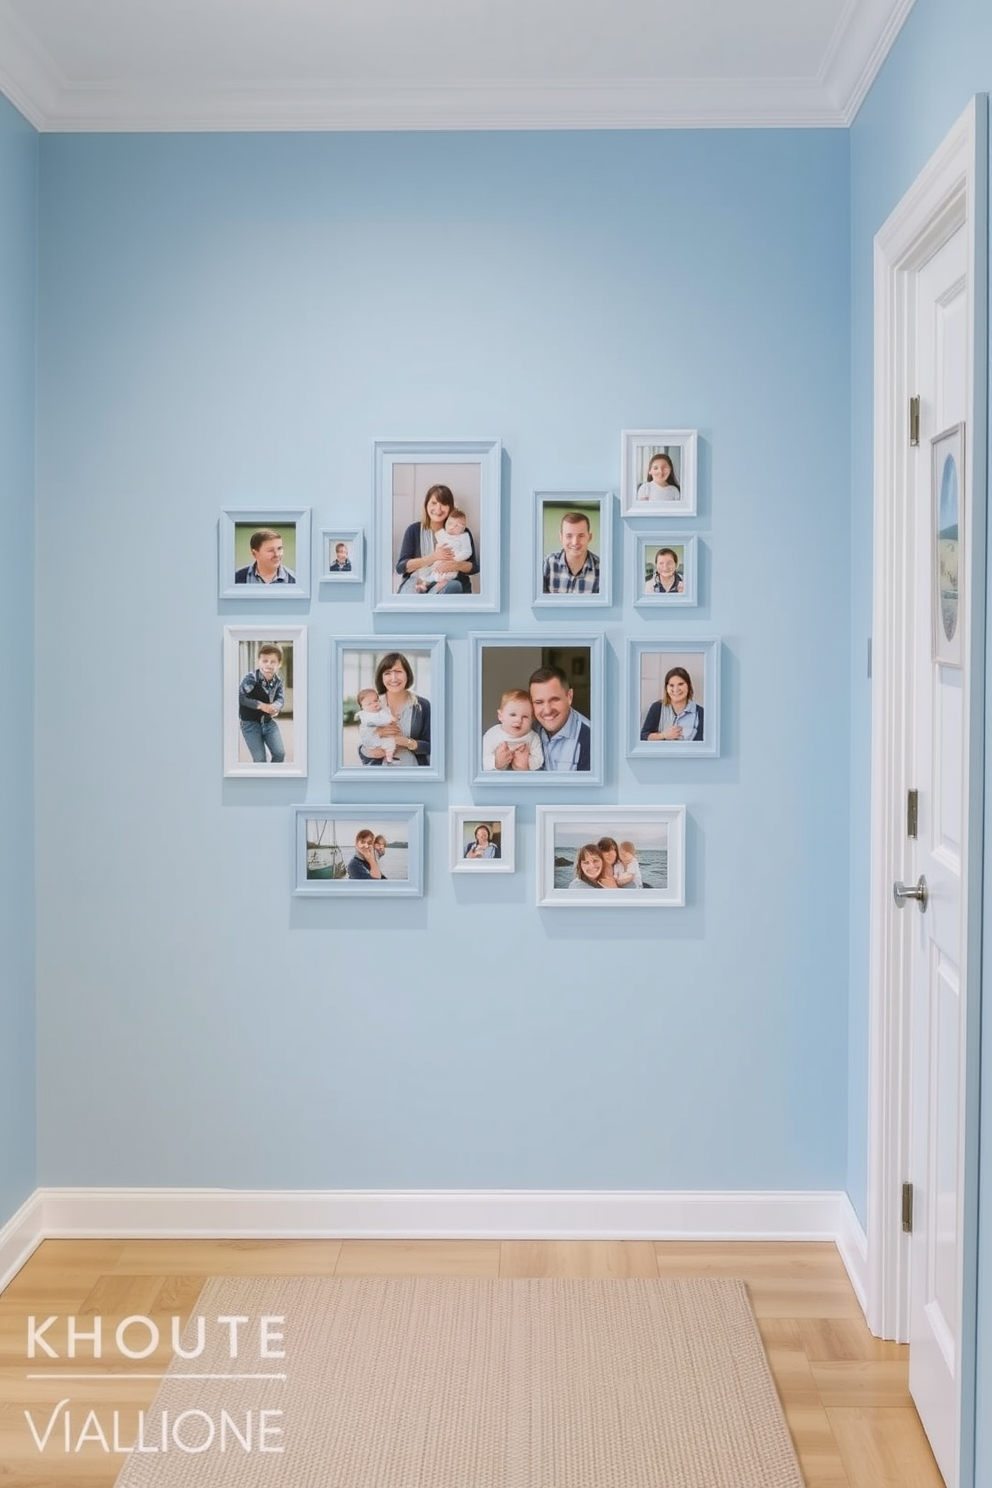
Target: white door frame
[[951, 191]]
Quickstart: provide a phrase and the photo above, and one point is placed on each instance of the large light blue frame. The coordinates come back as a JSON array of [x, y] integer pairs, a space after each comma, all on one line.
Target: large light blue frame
[[541, 779], [487, 454], [409, 645]]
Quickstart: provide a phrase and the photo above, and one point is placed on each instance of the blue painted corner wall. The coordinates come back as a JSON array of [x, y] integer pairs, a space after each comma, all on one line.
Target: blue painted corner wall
[[18, 256]]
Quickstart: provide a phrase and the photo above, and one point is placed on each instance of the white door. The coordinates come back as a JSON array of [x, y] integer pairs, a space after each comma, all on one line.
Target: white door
[[926, 736], [938, 960]]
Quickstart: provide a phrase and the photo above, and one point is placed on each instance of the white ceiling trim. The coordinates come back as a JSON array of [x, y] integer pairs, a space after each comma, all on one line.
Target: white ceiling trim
[[862, 38], [860, 45]]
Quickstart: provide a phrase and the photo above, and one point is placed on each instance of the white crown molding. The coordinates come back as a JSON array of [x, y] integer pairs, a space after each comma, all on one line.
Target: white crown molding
[[27, 77], [860, 45], [682, 104], [53, 103]]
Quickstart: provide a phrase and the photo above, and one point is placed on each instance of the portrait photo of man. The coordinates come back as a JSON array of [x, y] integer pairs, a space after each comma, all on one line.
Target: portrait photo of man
[[573, 567]]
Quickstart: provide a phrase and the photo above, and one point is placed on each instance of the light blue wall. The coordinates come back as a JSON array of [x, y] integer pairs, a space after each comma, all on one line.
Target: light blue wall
[[229, 321], [18, 230], [943, 56]]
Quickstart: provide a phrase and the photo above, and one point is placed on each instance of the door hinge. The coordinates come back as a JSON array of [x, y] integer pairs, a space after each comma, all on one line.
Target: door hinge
[[907, 1208], [914, 422], [912, 812]]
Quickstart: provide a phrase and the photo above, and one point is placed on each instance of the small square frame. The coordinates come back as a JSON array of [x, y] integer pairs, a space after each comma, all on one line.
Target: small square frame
[[464, 824], [321, 860], [647, 546], [403, 472], [638, 447], [240, 648], [236, 525], [354, 660], [950, 561], [648, 664], [354, 540], [654, 830], [580, 656], [550, 508]]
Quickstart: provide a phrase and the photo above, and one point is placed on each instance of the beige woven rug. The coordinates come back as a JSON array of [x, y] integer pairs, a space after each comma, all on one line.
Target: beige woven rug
[[441, 1383]]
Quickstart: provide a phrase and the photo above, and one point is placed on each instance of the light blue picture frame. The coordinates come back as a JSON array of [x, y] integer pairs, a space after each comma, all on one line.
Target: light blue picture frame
[[499, 663], [235, 527], [324, 846], [550, 507], [354, 541], [354, 660], [646, 547], [648, 664], [403, 471]]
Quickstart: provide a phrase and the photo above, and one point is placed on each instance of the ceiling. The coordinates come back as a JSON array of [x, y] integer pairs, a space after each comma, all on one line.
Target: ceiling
[[72, 65]]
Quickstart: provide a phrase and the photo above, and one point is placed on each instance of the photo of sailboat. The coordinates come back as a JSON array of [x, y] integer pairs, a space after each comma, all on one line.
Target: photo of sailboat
[[325, 858]]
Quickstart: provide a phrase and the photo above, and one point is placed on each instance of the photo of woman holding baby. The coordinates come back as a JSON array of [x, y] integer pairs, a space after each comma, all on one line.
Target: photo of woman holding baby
[[409, 732], [437, 554], [437, 524]]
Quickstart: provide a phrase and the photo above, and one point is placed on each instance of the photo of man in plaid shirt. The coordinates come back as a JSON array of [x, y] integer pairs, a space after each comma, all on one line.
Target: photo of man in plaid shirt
[[573, 569]]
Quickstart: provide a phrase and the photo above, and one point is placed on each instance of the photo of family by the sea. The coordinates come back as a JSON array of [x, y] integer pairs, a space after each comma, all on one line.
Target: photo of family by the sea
[[386, 717], [373, 851], [535, 705], [436, 514], [588, 861]]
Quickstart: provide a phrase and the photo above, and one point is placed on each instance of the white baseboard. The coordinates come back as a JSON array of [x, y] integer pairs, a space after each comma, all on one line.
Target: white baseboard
[[421, 1214], [22, 1234], [852, 1242]]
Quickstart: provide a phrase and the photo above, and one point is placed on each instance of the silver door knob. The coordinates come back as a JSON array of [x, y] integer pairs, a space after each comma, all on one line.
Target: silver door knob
[[919, 891]]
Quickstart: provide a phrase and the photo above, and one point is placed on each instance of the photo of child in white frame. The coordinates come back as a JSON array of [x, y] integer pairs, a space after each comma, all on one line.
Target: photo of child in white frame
[[658, 472]]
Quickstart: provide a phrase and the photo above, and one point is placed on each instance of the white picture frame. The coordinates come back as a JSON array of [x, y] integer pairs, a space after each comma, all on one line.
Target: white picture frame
[[640, 496], [242, 741], [653, 877], [474, 831]]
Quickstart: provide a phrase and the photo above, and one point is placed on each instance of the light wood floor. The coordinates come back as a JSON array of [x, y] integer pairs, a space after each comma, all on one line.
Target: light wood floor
[[844, 1392]]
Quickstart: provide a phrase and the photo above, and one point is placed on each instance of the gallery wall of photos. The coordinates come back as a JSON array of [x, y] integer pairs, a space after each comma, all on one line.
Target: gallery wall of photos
[[533, 713]]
